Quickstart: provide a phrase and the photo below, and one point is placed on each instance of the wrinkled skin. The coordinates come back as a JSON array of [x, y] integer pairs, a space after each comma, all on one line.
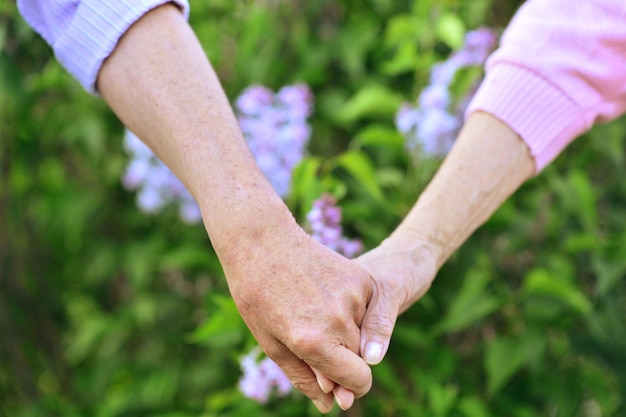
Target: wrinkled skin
[[402, 274], [304, 304]]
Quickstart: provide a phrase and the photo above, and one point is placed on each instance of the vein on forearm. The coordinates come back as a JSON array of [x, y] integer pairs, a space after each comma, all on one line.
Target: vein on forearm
[[487, 164]]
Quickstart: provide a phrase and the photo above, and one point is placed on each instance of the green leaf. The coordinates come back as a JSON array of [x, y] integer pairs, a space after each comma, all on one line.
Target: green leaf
[[305, 183], [224, 326], [584, 197], [442, 398], [451, 30], [186, 256], [402, 28], [541, 282], [505, 355], [608, 273], [379, 135], [370, 101], [405, 59], [472, 303], [362, 169], [473, 407]]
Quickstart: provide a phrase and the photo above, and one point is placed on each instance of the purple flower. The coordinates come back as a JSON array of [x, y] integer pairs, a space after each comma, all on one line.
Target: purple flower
[[189, 212], [276, 129], [437, 131], [325, 223], [253, 100], [407, 118], [262, 378], [479, 44], [155, 184], [442, 73], [150, 200], [435, 95], [136, 173], [431, 125]]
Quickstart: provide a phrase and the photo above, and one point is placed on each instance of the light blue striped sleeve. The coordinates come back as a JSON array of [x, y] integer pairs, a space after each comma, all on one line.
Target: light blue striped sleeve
[[83, 33]]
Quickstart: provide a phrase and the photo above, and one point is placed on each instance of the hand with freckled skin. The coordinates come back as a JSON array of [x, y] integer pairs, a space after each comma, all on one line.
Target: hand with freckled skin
[[304, 304], [302, 301]]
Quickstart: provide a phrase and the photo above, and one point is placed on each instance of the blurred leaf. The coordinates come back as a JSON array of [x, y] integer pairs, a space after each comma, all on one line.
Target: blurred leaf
[[403, 28], [472, 302], [405, 59], [505, 355], [608, 273], [442, 398], [186, 256], [473, 407], [224, 326], [379, 135], [451, 30], [362, 169], [584, 196], [370, 101], [305, 184], [540, 282], [144, 309]]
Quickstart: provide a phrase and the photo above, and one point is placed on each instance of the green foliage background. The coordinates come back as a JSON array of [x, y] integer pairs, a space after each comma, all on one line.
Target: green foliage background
[[105, 311]]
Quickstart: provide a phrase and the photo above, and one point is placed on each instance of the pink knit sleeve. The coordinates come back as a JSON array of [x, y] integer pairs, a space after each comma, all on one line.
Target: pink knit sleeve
[[560, 68]]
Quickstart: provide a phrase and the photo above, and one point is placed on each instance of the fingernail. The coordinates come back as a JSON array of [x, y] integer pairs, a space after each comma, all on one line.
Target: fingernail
[[339, 402], [373, 353], [321, 406], [319, 383]]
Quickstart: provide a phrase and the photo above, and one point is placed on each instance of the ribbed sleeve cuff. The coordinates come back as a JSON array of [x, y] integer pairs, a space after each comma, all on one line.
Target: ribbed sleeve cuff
[[94, 32], [539, 112]]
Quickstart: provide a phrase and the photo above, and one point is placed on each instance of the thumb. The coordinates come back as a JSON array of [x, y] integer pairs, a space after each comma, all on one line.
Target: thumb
[[377, 327]]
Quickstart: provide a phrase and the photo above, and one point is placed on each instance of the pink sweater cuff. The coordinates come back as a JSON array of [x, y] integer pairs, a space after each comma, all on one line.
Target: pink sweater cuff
[[537, 110]]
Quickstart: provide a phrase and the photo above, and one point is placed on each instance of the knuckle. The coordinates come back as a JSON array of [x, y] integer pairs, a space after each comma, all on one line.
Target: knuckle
[[303, 386], [381, 324], [365, 386], [305, 383], [306, 343], [275, 352]]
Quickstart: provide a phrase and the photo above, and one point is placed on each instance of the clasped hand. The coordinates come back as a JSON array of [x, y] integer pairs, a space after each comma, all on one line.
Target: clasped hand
[[321, 317]]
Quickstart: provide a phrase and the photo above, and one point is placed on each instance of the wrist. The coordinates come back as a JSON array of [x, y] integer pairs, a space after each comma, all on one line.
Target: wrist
[[424, 239], [403, 268], [248, 222]]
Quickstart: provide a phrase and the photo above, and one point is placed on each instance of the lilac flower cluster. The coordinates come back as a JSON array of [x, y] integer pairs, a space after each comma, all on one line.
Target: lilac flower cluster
[[276, 129], [262, 378], [325, 221], [157, 186], [277, 132], [431, 125]]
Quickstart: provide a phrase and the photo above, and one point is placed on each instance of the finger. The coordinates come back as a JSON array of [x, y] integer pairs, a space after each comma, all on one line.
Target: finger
[[323, 406], [344, 397], [345, 368], [301, 376], [325, 383], [377, 327]]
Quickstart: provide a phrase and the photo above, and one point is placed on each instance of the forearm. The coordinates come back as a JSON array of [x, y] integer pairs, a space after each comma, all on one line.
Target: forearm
[[161, 85], [487, 164]]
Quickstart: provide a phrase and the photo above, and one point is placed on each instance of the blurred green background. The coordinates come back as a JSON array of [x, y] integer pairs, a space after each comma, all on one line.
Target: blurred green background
[[105, 311]]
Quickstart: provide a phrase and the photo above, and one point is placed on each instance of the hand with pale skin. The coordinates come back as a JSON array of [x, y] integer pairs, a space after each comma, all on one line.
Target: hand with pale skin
[[302, 301], [487, 164]]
